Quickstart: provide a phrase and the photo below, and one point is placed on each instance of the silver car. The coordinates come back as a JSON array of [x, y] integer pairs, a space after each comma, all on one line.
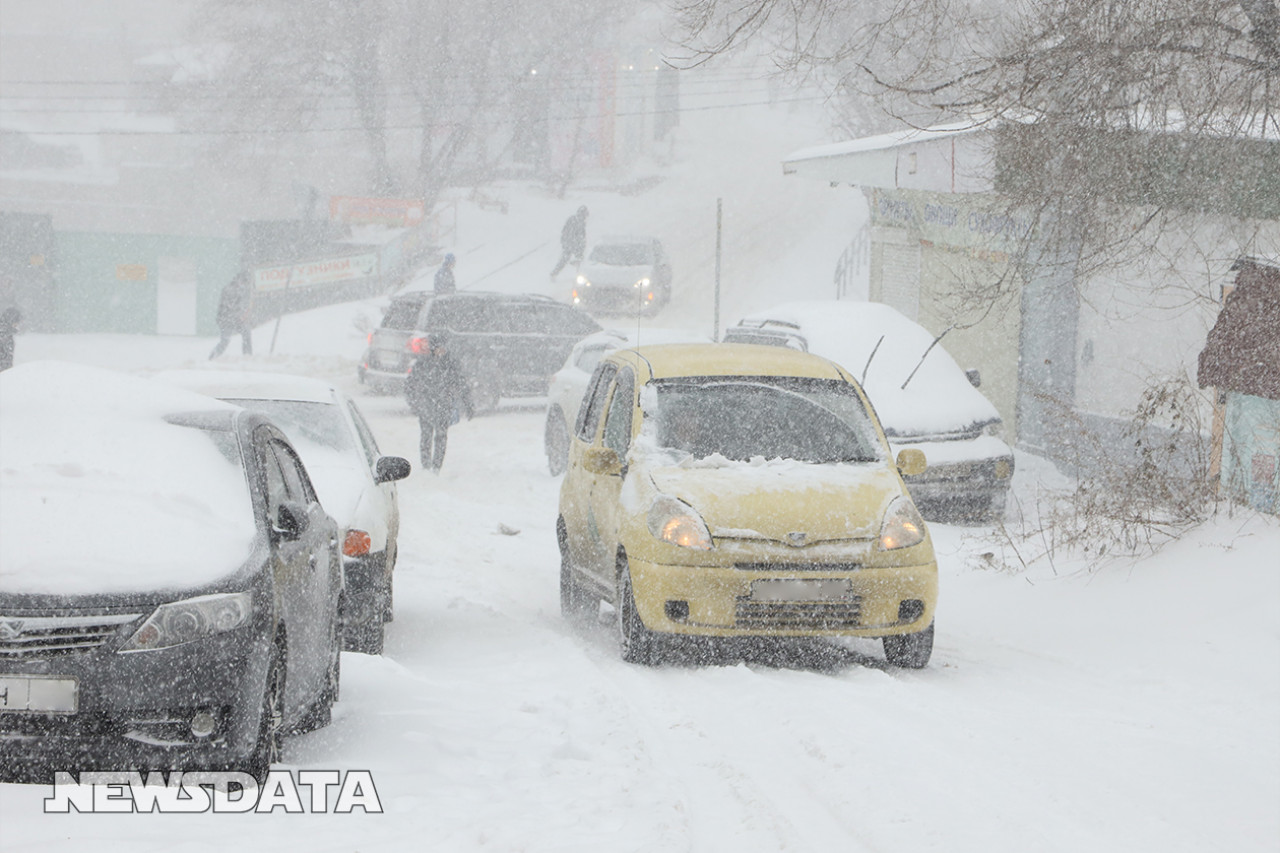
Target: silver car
[[355, 481]]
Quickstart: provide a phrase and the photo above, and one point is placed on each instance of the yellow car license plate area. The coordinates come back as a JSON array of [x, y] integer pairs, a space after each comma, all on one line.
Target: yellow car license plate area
[[795, 589]]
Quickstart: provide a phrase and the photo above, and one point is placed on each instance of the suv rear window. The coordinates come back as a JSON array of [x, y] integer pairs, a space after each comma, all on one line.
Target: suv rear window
[[460, 315], [403, 314]]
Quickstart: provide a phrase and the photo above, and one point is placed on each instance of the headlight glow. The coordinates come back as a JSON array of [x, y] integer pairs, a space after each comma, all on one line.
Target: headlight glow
[[674, 521], [644, 282], [181, 622], [582, 280], [902, 526]]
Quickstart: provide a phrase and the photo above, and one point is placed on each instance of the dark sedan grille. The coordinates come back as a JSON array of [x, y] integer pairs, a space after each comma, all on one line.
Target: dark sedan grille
[[46, 636], [782, 615]]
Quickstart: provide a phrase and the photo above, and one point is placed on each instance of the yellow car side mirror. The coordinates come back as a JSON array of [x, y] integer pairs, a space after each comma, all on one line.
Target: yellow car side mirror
[[602, 460], [911, 462]]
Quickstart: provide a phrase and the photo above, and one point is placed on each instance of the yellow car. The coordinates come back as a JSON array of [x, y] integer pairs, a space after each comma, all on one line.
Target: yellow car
[[732, 490]]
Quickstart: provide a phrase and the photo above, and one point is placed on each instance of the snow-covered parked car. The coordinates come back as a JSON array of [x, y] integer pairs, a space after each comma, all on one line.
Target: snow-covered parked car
[[569, 383], [355, 481], [624, 275], [725, 490], [940, 410], [170, 586]]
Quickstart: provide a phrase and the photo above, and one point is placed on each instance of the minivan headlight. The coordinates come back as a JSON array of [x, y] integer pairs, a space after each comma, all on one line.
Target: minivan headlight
[[191, 619], [674, 521], [902, 526]]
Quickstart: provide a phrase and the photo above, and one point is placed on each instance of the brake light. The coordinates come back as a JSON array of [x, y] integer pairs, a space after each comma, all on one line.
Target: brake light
[[369, 340], [417, 345], [356, 543]]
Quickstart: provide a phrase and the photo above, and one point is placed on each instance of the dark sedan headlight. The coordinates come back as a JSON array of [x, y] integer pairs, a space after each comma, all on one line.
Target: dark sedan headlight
[[191, 619]]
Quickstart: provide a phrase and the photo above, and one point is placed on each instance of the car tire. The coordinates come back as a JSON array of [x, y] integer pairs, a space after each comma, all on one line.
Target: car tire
[[636, 643], [556, 441], [577, 605], [910, 651], [267, 747], [367, 639]]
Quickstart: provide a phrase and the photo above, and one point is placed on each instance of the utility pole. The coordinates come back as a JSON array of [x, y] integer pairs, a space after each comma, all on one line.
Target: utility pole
[[715, 332]]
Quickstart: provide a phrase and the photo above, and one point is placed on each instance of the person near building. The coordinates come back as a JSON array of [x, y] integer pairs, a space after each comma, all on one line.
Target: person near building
[[10, 318], [438, 393], [444, 276], [573, 240], [234, 309]]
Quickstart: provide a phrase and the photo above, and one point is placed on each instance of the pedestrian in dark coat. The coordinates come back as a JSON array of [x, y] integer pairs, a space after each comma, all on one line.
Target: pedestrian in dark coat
[[234, 308], [573, 240], [9, 321], [444, 275], [438, 393]]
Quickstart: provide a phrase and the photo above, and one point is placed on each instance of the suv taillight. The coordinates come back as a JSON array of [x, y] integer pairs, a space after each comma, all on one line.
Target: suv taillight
[[417, 345]]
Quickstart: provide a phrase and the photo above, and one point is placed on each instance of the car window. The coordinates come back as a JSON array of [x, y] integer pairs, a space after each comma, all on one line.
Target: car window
[[567, 320], [305, 422], [295, 476], [589, 357], [617, 424], [622, 254], [277, 489], [461, 315], [402, 314], [809, 420], [524, 319], [597, 391], [367, 442]]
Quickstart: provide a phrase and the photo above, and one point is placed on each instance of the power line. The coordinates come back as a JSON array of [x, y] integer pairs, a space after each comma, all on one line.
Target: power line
[[364, 129]]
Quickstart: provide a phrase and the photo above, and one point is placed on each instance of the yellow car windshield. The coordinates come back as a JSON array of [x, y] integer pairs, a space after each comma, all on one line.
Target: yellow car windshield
[[808, 420]]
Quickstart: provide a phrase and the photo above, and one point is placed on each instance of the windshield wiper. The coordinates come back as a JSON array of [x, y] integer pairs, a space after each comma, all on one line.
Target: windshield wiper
[[927, 350]]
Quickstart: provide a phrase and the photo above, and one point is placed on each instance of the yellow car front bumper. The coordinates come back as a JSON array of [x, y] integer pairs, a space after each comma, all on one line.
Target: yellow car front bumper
[[731, 601]]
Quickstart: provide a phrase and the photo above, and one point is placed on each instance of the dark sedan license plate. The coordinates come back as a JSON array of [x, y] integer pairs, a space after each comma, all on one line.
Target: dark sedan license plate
[[800, 590], [38, 694]]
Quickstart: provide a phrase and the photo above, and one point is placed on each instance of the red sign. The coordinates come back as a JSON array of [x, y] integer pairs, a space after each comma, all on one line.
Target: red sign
[[399, 212]]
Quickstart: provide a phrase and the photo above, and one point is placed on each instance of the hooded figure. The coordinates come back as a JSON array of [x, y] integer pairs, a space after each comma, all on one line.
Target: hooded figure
[[573, 240], [437, 391], [444, 275], [9, 321], [234, 307]]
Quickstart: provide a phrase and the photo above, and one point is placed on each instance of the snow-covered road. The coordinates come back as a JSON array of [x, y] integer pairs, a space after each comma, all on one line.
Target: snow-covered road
[[1135, 708]]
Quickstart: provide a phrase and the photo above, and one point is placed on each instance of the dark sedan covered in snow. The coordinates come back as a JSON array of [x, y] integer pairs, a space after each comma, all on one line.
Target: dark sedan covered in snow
[[170, 587]]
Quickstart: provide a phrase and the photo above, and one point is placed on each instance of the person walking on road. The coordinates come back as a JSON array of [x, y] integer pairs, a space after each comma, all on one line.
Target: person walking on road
[[9, 321], [573, 240], [444, 276], [234, 308], [438, 393]]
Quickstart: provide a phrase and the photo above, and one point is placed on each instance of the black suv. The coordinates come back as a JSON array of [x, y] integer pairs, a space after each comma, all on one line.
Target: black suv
[[507, 344]]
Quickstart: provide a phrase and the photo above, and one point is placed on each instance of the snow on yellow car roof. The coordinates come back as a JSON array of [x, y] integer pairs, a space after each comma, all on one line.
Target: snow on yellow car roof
[[674, 360]]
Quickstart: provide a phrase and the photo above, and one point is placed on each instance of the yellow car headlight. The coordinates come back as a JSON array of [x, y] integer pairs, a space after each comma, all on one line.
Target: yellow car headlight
[[902, 526], [674, 521]]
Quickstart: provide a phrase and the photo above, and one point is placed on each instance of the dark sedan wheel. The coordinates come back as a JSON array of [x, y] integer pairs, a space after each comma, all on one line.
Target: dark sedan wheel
[[911, 651], [266, 750], [556, 441]]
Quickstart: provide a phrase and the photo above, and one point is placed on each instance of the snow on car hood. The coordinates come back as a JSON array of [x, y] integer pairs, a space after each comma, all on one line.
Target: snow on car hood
[[99, 494], [769, 499], [937, 401]]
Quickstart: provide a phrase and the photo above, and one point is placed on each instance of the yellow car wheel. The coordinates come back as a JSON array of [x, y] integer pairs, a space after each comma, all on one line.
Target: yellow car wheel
[[911, 651], [577, 605], [636, 642]]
